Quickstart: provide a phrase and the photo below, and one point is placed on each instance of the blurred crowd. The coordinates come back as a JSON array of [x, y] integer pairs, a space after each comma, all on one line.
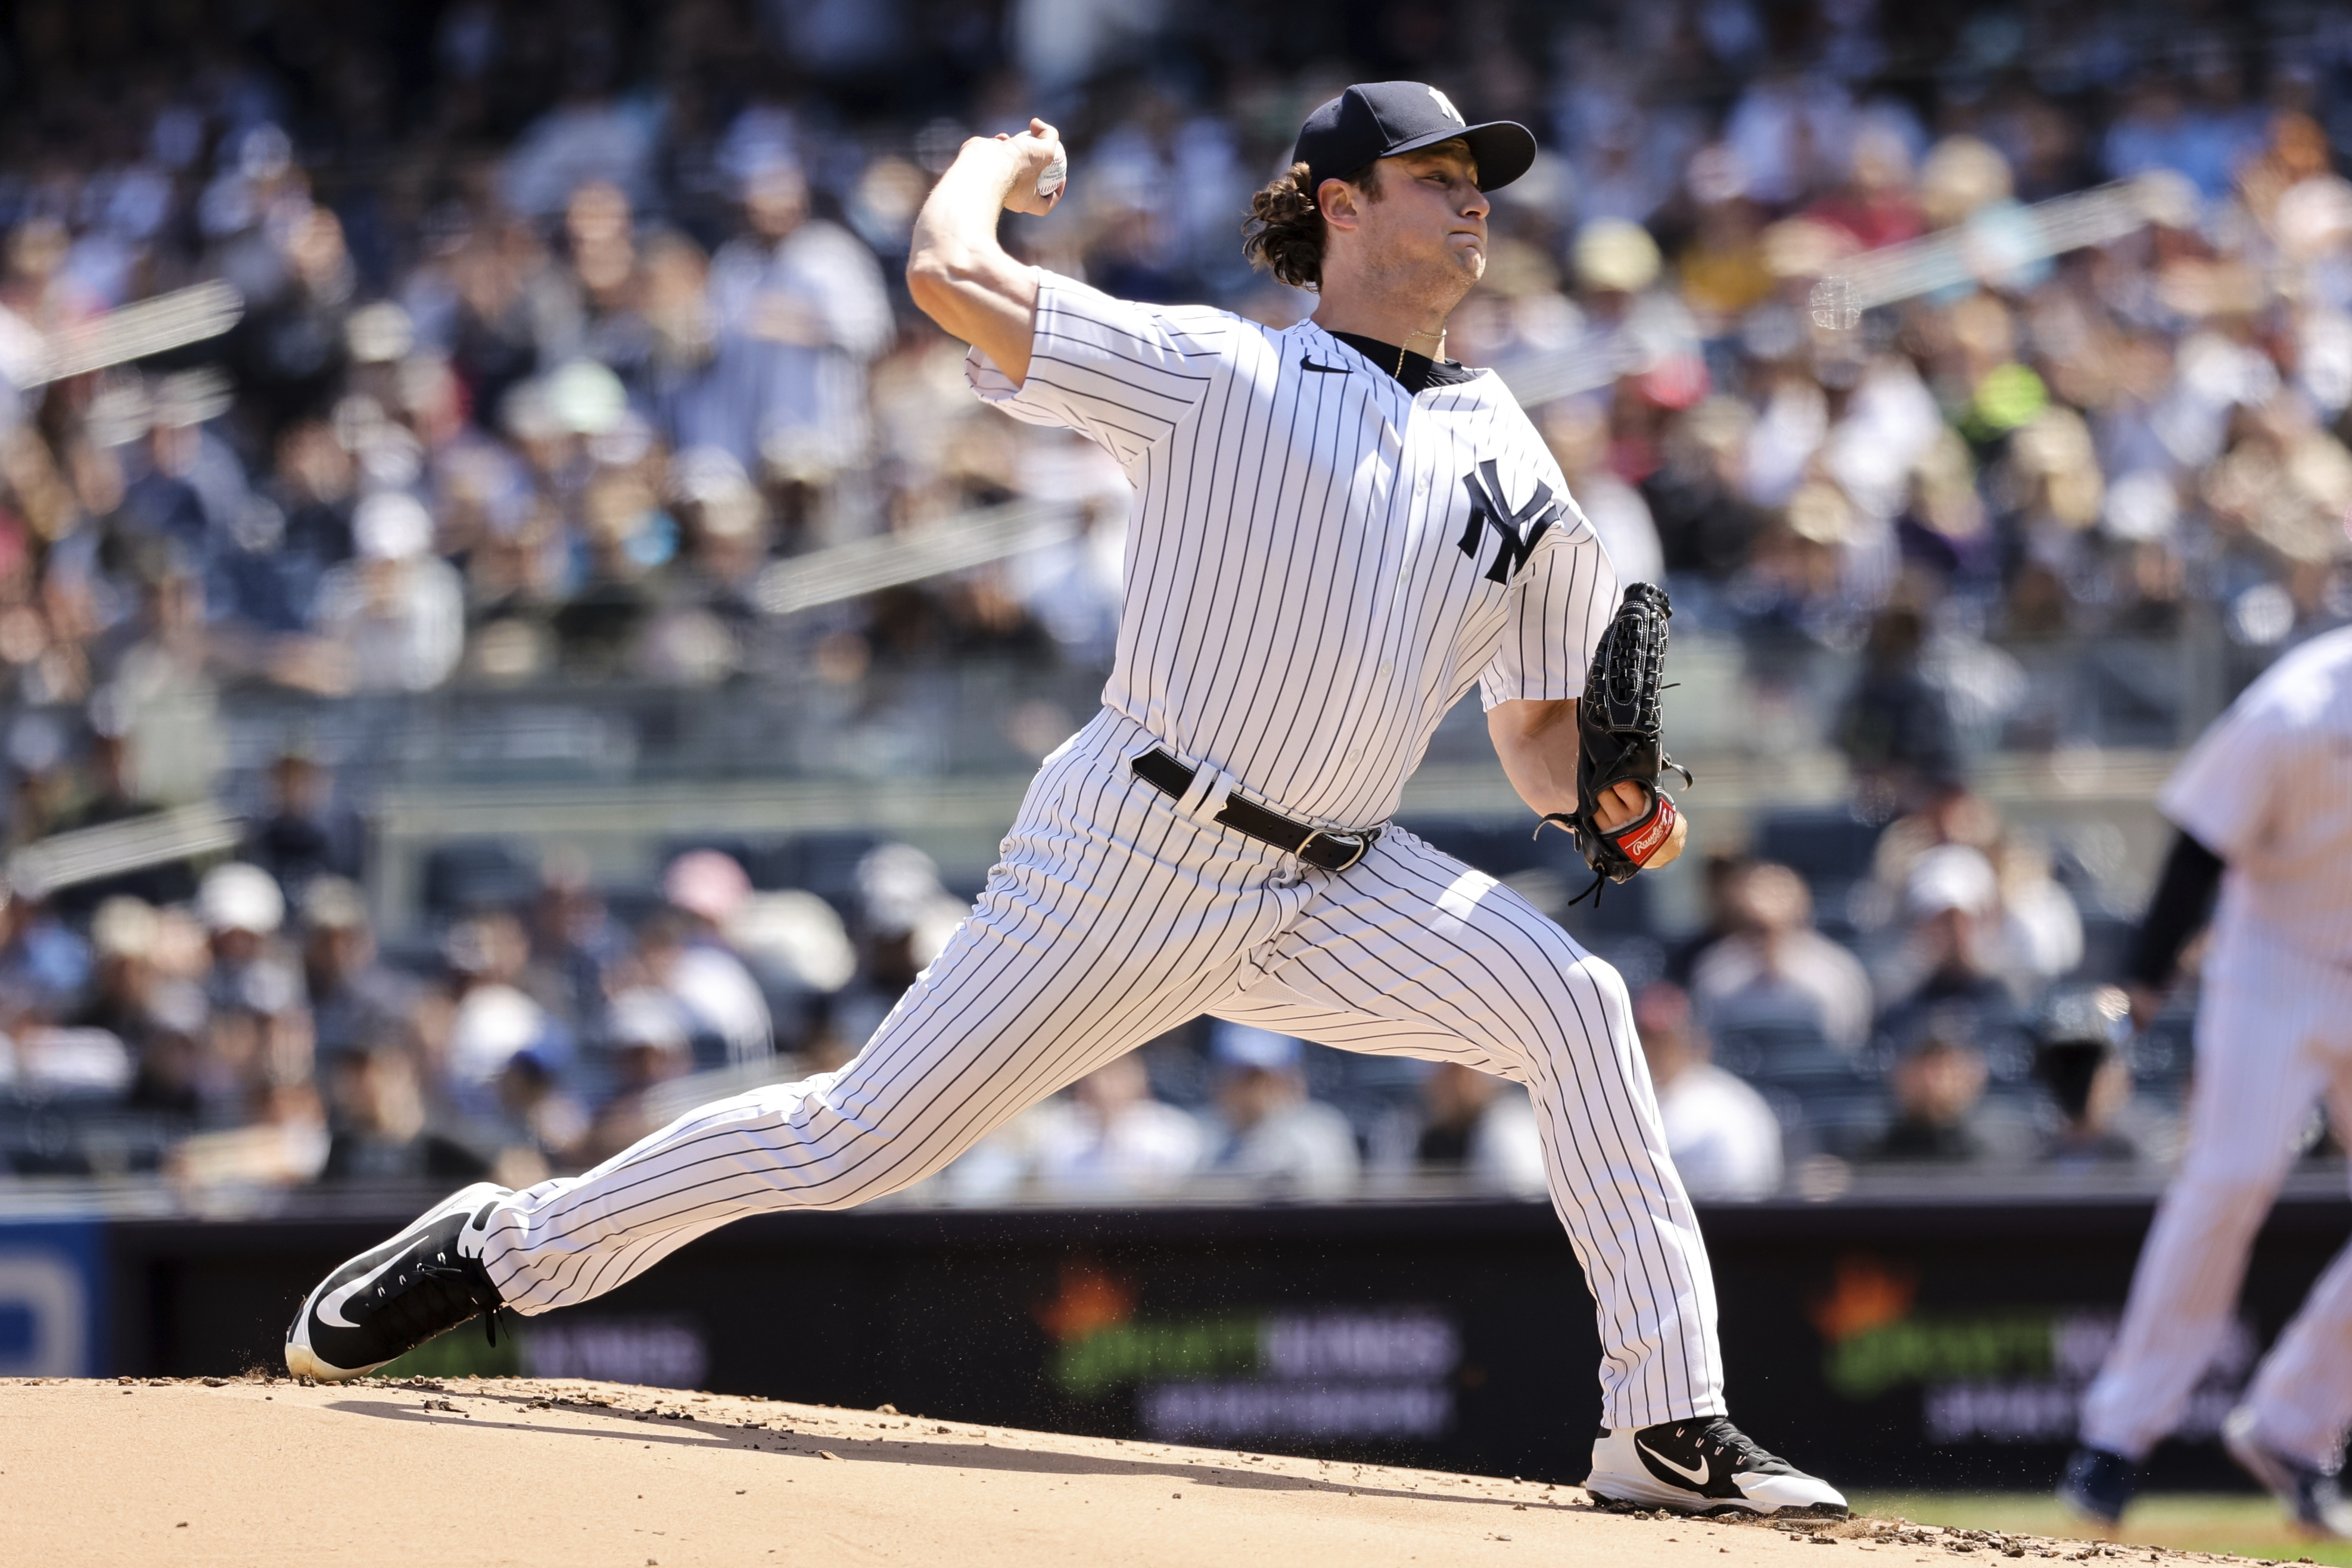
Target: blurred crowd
[[569, 330], [1919, 994], [565, 323]]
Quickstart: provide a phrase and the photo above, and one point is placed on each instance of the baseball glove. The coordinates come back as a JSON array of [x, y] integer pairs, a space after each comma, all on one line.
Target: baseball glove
[[1620, 739]]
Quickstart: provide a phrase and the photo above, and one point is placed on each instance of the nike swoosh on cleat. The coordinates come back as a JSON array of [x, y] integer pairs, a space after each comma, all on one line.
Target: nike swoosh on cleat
[[1306, 364], [331, 1309], [1697, 1478]]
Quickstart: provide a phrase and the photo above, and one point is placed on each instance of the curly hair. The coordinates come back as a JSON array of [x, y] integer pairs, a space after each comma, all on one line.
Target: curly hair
[[1284, 232]]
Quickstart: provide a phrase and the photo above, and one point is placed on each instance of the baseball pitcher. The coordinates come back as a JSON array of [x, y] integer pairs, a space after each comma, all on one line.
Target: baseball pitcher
[[1337, 532]]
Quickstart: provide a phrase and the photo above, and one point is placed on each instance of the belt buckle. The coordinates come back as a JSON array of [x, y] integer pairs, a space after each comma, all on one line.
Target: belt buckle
[[1363, 844]]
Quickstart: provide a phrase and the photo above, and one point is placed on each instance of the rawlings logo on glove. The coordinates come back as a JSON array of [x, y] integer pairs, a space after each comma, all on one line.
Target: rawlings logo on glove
[[1621, 740]]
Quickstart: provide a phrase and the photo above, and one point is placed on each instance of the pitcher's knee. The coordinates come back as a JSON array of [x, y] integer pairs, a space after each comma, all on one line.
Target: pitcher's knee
[[1596, 993], [1577, 1011]]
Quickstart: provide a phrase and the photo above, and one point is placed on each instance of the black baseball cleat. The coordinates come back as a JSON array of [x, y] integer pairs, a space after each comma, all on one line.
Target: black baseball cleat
[[2314, 1497], [393, 1298], [1703, 1465], [2098, 1485]]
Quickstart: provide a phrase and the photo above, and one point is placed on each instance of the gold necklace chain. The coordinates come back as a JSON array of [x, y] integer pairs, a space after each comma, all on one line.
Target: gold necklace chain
[[1438, 335]]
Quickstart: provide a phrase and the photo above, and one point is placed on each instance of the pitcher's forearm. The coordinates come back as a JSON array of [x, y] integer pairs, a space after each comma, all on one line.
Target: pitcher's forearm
[[957, 272], [1536, 744], [955, 232]]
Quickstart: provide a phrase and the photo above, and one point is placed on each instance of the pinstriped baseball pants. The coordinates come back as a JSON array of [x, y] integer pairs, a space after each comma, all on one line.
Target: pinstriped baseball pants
[[2273, 1037], [1116, 914]]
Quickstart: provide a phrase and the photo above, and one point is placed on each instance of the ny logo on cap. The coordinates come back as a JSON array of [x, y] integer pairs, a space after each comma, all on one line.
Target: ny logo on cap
[[1447, 104], [1519, 530]]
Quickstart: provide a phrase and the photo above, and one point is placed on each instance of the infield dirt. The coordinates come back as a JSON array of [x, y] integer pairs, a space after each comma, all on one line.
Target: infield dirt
[[600, 1476]]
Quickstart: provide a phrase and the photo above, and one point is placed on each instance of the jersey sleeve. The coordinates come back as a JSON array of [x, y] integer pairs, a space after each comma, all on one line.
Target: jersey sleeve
[[2214, 795], [1123, 375], [2220, 795], [1560, 605]]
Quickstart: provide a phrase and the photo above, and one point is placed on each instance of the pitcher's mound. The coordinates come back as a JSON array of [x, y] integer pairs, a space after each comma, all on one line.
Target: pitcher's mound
[[524, 1471]]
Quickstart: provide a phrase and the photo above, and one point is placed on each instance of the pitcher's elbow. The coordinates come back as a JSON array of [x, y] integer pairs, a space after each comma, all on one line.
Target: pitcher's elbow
[[934, 274]]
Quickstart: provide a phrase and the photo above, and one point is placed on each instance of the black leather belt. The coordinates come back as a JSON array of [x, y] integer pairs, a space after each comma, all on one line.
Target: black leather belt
[[1318, 846]]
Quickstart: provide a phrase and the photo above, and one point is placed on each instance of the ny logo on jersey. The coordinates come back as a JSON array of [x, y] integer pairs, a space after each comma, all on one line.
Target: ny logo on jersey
[[1519, 530]]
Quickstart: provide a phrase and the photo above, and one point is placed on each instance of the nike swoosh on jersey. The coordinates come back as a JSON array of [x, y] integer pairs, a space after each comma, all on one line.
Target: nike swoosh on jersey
[[1697, 1478], [1306, 364]]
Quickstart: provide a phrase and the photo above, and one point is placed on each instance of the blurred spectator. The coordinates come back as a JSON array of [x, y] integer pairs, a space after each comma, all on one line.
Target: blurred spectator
[[304, 836], [1949, 955], [2037, 932], [1938, 1089], [539, 1125], [1721, 873], [354, 998], [799, 950], [1949, 813], [904, 918], [283, 1142], [645, 1045], [2041, 936], [1577, 431], [394, 617], [1896, 728], [2078, 1058], [801, 310], [43, 964], [1114, 1138], [1774, 967], [492, 1019], [123, 937], [587, 135], [145, 992], [686, 953], [1478, 1125], [242, 911], [1725, 1141], [380, 1126], [1271, 1134], [114, 797], [574, 944]]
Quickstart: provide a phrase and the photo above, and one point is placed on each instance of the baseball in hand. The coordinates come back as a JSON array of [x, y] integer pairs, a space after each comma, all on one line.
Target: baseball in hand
[[1057, 174]]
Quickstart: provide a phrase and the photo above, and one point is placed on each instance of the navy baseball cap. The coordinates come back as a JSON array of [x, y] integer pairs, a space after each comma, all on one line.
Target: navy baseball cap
[[1380, 119]]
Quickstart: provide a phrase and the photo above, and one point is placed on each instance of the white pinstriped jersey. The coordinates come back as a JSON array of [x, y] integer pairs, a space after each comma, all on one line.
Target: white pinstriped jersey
[[1118, 913], [1319, 563], [2268, 790]]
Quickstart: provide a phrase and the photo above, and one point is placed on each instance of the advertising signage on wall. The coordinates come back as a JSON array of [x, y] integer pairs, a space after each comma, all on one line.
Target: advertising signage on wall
[[52, 1290], [1887, 1344], [1383, 1373], [1999, 1374]]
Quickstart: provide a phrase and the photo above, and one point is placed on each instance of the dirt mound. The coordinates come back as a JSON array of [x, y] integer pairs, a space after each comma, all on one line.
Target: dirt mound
[[557, 1472]]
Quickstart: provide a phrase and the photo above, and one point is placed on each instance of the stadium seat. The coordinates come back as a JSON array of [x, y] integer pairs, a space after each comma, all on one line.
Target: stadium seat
[[475, 873], [1825, 847], [1792, 1056]]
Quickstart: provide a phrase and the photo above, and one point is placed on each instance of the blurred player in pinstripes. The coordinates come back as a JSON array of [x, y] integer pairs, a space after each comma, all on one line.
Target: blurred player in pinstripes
[[2263, 805]]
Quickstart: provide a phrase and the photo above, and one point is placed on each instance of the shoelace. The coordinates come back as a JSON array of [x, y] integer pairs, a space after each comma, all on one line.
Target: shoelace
[[477, 1289], [468, 1285], [1727, 1441]]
